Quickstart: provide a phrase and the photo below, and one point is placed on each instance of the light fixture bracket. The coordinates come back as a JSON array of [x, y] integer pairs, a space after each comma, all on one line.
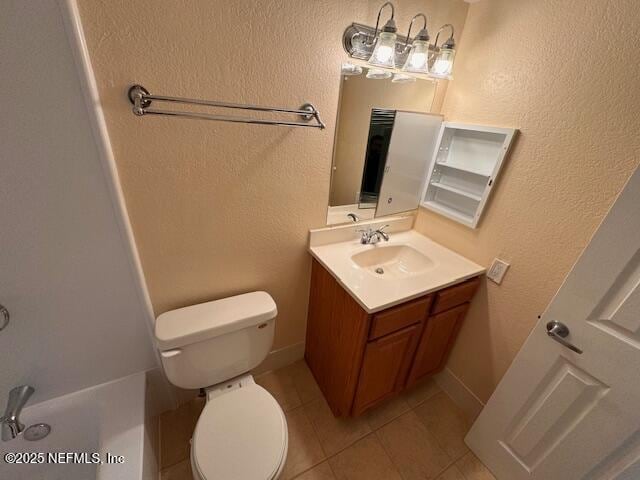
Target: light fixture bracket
[[358, 42]]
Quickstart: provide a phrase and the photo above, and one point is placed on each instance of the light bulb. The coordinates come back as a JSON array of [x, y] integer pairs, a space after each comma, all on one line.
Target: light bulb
[[443, 63], [384, 52], [418, 58]]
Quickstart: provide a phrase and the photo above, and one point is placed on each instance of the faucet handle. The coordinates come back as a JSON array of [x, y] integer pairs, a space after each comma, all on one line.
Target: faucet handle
[[380, 229]]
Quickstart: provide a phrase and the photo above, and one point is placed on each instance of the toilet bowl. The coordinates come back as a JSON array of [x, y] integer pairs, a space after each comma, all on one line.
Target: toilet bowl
[[242, 432]]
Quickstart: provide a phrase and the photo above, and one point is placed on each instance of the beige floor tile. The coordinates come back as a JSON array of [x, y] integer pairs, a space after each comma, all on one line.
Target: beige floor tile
[[319, 472], [387, 411], [473, 469], [179, 471], [412, 448], [366, 460], [420, 392], [334, 433], [304, 382], [446, 422], [176, 429], [304, 447], [280, 384], [451, 473]]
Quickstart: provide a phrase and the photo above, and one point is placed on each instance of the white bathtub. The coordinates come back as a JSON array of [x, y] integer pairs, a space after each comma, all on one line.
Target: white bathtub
[[108, 418]]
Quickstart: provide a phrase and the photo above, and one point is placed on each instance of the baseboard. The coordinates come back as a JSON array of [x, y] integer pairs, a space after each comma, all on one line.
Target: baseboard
[[280, 358], [459, 393]]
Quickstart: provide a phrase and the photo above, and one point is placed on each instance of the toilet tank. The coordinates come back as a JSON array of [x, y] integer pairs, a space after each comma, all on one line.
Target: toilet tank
[[211, 342]]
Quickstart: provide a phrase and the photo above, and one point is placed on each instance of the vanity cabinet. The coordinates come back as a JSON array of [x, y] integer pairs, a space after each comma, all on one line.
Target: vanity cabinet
[[360, 359]]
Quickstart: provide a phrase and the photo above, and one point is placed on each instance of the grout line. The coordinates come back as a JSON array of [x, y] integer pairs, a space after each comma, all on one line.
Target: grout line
[[397, 467], [331, 469]]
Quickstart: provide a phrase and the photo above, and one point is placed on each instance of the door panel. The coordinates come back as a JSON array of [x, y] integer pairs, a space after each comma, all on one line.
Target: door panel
[[385, 365], [617, 312], [565, 396], [436, 342], [557, 414], [407, 161]]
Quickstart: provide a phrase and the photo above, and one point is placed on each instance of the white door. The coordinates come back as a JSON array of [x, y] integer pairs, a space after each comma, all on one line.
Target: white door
[[558, 414]]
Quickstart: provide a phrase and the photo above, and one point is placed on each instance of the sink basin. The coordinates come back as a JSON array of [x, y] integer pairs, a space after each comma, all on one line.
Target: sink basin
[[393, 261]]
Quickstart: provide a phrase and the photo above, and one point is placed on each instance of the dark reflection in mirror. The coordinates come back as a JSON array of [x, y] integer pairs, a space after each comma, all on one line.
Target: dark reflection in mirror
[[380, 128]]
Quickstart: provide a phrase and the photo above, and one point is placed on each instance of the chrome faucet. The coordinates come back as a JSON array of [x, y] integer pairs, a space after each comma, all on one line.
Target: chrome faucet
[[11, 426], [370, 236]]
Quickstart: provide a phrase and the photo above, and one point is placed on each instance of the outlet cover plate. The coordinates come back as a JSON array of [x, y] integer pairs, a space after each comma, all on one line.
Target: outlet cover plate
[[497, 271]]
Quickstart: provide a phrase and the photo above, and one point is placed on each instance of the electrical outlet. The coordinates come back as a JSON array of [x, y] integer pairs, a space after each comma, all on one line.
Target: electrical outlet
[[497, 271]]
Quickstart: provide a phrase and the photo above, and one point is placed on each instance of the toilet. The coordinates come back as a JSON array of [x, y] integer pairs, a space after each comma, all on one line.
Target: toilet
[[242, 432]]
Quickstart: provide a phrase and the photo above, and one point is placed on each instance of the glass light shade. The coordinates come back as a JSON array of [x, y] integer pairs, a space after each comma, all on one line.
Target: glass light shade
[[384, 53], [403, 78], [377, 74], [443, 64], [418, 58], [349, 69]]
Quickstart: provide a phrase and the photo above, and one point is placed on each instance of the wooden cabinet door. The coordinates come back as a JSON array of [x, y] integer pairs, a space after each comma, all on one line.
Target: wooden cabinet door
[[436, 342], [385, 366]]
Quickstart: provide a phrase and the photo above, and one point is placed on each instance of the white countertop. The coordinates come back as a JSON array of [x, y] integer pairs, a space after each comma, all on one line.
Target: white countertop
[[376, 292]]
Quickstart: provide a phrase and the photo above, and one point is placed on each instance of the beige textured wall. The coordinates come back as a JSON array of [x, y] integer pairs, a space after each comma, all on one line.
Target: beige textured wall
[[358, 96], [566, 73], [218, 209]]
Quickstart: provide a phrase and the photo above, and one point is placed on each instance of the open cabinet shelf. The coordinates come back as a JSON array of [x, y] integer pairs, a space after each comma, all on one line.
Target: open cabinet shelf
[[457, 190], [466, 169], [465, 164], [449, 211]]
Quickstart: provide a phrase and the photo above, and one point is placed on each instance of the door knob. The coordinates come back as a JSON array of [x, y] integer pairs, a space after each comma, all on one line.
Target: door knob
[[558, 331]]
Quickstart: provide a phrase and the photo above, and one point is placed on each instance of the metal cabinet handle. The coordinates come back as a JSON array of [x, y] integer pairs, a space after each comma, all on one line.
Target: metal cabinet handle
[[558, 331]]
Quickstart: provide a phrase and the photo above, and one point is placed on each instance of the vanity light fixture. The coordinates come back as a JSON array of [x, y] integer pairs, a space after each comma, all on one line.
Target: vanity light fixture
[[418, 58], [382, 48], [384, 52], [443, 60]]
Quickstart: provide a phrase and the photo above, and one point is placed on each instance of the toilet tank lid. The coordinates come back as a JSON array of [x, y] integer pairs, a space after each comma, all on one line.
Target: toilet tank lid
[[196, 323]]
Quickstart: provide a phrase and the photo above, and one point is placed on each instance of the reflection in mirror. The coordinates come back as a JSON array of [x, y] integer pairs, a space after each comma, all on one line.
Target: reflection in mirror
[[367, 120], [380, 128]]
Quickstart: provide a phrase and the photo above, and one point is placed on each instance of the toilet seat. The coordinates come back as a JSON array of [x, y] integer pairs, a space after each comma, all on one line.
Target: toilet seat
[[241, 434]]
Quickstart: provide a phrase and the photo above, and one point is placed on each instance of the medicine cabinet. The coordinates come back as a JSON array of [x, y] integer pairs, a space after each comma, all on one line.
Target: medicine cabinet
[[465, 165]]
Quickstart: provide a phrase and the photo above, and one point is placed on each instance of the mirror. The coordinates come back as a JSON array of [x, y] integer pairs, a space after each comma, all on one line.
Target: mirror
[[380, 156]]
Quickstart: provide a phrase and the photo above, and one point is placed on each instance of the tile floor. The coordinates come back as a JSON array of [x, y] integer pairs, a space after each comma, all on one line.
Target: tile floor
[[417, 435]]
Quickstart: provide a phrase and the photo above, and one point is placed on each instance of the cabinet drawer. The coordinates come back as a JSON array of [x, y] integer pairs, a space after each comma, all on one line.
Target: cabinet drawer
[[456, 295], [399, 317]]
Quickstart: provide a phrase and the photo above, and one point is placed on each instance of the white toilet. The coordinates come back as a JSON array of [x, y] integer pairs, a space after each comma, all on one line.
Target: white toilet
[[242, 432]]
